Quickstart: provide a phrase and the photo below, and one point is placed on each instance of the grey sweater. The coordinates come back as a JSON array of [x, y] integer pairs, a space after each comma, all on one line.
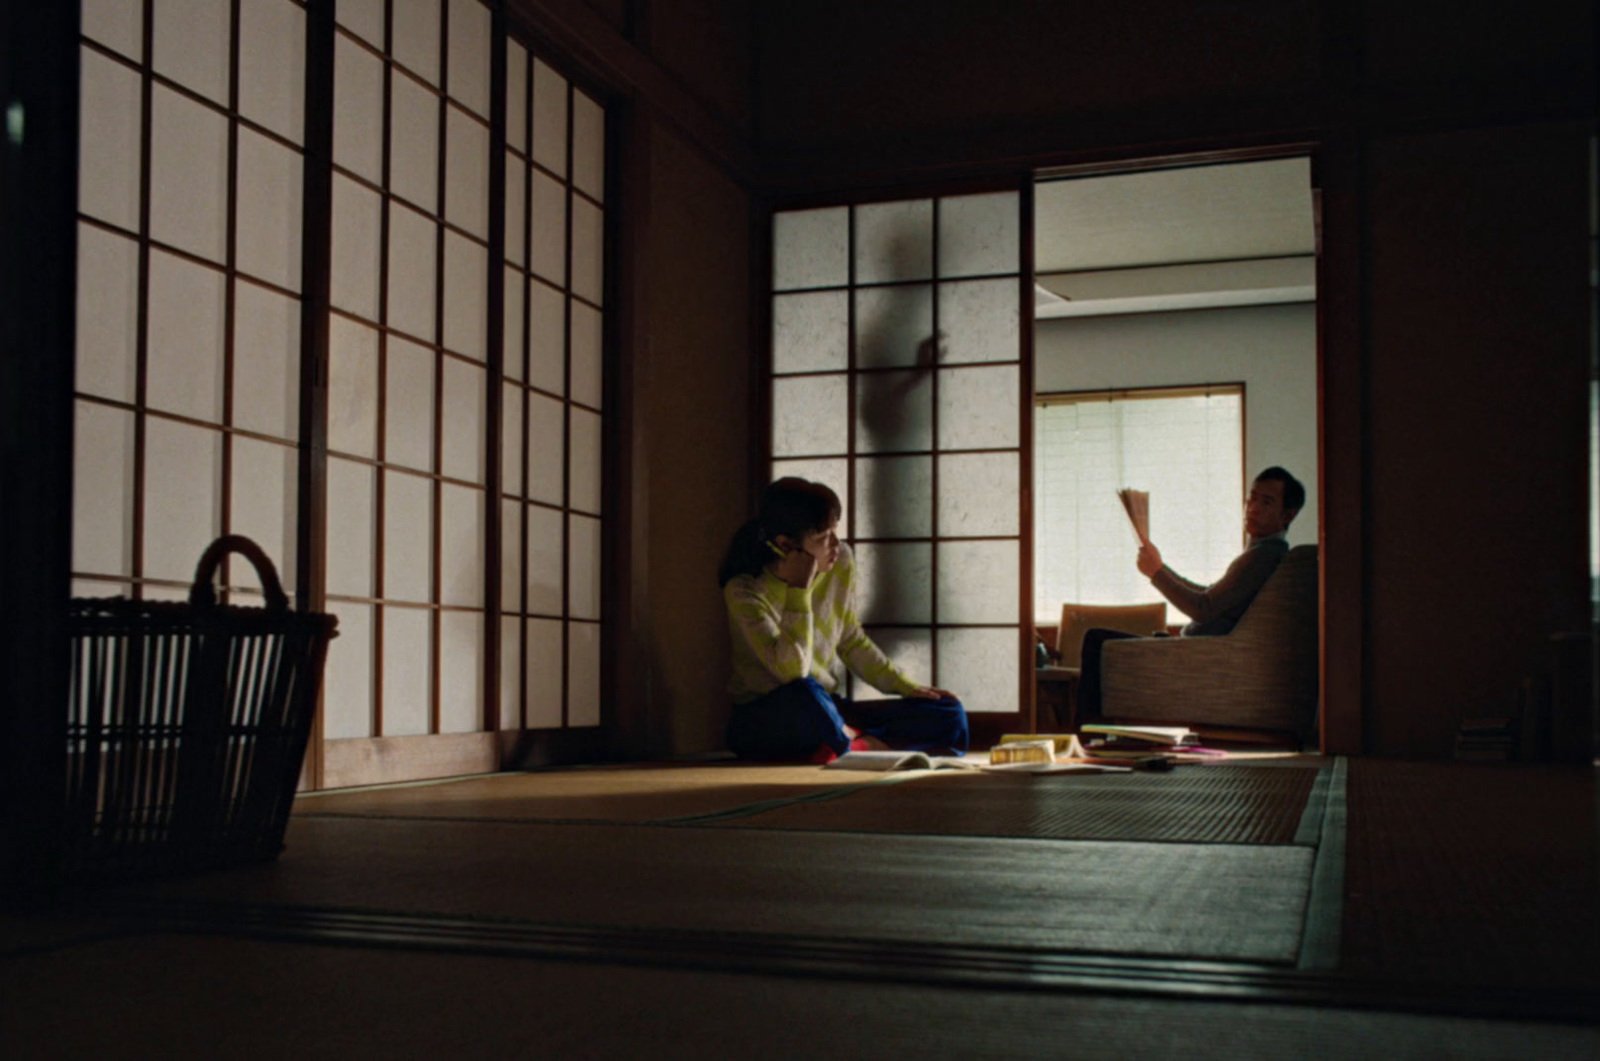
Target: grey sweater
[[1215, 608]]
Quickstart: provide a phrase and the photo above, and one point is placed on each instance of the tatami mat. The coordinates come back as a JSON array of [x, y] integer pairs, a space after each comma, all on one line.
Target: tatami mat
[[1469, 892], [165, 997], [1215, 901], [615, 793], [1193, 804]]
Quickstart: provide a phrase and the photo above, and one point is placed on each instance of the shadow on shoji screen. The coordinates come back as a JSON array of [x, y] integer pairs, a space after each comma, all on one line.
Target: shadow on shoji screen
[[895, 330], [896, 361]]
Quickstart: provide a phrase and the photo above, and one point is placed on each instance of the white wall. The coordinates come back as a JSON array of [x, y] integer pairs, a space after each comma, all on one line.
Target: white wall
[[1272, 350]]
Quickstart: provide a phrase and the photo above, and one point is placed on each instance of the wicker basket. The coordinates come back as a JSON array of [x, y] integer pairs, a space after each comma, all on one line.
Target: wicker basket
[[187, 726]]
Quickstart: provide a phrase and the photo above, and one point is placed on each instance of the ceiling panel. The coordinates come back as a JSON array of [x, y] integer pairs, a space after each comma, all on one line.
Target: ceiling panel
[[1162, 217]]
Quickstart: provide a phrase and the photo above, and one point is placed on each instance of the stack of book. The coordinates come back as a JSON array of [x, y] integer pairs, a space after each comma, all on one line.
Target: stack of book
[[1109, 742], [1486, 740]]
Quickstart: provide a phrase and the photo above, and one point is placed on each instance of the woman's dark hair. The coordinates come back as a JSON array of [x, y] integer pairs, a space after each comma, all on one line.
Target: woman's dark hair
[[792, 507]]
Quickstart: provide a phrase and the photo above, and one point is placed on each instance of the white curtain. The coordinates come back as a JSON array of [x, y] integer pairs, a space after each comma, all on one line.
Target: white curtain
[[1185, 449]]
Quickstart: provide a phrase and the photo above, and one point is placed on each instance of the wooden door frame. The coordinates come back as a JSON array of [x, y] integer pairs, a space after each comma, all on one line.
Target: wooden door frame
[[1335, 180], [38, 248], [1337, 202]]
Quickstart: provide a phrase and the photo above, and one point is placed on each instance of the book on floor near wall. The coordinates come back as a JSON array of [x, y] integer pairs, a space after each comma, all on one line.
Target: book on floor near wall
[[1136, 503]]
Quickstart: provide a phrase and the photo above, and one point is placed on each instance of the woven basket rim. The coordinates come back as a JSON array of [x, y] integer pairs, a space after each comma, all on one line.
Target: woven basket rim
[[126, 609]]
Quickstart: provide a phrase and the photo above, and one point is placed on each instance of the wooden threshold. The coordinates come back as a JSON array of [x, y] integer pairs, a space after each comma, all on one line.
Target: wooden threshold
[[352, 761]]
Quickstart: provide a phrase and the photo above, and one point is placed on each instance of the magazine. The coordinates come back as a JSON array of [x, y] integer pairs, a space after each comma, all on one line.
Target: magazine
[[1136, 503]]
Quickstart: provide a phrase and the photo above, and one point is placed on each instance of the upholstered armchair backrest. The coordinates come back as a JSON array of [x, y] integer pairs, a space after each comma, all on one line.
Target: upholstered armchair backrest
[[1285, 611]]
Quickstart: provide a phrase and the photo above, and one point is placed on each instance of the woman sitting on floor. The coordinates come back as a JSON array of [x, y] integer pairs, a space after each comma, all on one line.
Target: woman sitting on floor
[[790, 586]]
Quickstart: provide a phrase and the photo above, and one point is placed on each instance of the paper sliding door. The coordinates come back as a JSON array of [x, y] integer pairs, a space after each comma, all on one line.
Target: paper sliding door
[[189, 303], [459, 532], [900, 377]]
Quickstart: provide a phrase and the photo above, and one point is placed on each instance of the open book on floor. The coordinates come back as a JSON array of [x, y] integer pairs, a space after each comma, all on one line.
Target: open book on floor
[[897, 760]]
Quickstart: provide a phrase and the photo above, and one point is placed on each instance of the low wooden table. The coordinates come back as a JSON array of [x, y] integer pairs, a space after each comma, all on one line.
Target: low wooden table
[[1057, 690]]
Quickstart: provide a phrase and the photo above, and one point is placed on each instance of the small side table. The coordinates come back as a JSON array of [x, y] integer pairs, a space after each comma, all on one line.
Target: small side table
[[1058, 691]]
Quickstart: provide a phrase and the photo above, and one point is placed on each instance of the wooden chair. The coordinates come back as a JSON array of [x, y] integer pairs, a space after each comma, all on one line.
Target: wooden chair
[[1058, 684], [1077, 619]]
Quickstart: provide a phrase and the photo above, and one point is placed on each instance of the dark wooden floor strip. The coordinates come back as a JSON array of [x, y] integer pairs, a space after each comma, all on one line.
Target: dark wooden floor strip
[[1465, 871]]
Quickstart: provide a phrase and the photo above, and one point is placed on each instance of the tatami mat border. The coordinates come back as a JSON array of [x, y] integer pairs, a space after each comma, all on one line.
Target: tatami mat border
[[1313, 818], [1320, 940]]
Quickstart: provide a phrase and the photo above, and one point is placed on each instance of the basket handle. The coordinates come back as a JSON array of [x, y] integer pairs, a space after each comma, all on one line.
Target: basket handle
[[201, 595]]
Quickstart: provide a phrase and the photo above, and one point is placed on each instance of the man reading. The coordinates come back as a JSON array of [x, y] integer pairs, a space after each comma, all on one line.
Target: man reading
[[1276, 497]]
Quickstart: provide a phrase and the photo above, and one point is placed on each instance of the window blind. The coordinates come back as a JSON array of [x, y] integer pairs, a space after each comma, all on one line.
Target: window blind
[[1184, 447]]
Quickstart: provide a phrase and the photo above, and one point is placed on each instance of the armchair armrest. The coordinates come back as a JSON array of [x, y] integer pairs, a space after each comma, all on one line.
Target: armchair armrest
[[1224, 681]]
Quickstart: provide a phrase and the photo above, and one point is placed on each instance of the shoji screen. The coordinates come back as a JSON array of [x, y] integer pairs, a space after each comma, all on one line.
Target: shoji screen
[[408, 368], [550, 502], [189, 356], [189, 271], [898, 379]]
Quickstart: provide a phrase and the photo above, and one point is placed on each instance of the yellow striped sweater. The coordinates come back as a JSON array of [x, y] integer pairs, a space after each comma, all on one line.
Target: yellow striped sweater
[[782, 634]]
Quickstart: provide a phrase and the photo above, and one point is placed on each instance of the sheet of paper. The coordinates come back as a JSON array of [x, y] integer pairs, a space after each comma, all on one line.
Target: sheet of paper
[[1056, 768]]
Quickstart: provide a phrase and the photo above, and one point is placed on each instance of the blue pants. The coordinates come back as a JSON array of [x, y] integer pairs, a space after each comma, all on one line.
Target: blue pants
[[794, 719]]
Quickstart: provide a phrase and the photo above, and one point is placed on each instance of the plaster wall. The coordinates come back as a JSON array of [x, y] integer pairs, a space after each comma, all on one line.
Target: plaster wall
[[1272, 350]]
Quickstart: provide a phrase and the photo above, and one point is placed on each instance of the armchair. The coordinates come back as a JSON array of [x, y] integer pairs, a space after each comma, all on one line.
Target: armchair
[[1262, 675]]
